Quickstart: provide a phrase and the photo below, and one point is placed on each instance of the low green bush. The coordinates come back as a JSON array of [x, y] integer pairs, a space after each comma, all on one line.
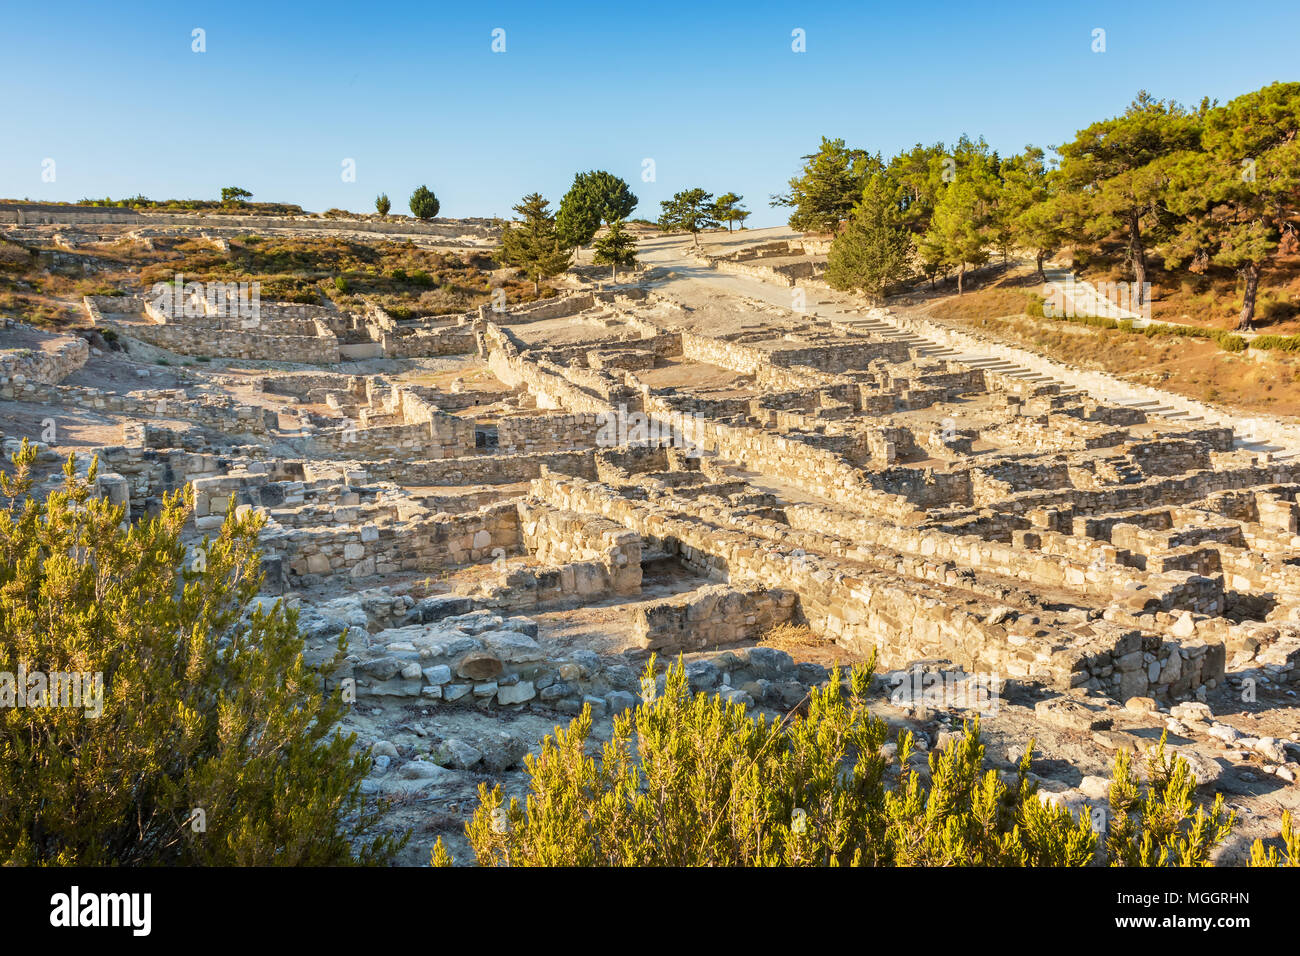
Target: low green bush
[[697, 781]]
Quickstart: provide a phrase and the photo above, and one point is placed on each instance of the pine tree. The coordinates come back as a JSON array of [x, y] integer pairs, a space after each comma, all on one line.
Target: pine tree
[[830, 186], [727, 209], [920, 174], [578, 217], [961, 227], [873, 250], [690, 210], [1029, 211], [596, 196], [533, 244], [1240, 195], [616, 248], [1121, 169], [382, 204]]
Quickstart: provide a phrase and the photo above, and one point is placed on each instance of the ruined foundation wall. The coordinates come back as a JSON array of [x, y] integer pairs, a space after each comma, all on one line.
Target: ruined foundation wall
[[311, 555], [903, 620], [711, 617]]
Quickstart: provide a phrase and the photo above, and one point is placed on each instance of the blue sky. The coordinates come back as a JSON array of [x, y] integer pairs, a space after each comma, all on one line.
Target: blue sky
[[712, 92]]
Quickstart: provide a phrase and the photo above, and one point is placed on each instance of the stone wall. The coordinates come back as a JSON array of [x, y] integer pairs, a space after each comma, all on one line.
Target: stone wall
[[42, 366], [426, 342], [475, 470], [857, 606], [223, 343], [711, 617], [531, 434], [220, 414], [310, 556], [562, 537], [52, 213]]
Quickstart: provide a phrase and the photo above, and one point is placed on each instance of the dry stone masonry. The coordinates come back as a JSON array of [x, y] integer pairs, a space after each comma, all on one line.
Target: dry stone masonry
[[509, 511]]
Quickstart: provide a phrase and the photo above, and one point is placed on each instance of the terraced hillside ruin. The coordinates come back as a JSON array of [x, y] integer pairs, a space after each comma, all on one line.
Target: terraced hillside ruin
[[512, 508]]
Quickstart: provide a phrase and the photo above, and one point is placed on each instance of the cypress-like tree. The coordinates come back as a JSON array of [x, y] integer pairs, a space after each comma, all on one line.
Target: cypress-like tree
[[961, 226], [872, 252], [595, 197], [424, 204]]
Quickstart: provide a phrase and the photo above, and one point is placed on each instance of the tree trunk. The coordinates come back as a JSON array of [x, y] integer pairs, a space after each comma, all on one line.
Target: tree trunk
[[1138, 258], [961, 276], [1042, 276], [1251, 272], [613, 271]]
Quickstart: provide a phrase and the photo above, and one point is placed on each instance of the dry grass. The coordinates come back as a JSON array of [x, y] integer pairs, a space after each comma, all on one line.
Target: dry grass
[[1252, 381], [790, 636]]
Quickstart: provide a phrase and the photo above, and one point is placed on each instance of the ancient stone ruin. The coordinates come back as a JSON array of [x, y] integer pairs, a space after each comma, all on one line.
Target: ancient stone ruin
[[512, 508]]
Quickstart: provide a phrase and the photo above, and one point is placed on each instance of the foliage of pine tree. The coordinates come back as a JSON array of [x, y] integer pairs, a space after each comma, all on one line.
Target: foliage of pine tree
[[829, 187], [616, 248], [213, 744], [1238, 197], [920, 174], [697, 781], [424, 204], [613, 197], [382, 204], [959, 231], [578, 218], [1121, 169], [873, 251], [690, 210], [727, 208], [533, 244]]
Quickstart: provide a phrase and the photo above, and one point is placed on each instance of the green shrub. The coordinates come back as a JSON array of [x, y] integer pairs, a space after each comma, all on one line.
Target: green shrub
[[1260, 855], [1156, 826], [707, 784], [1278, 343], [1228, 341], [203, 707], [341, 283], [424, 204]]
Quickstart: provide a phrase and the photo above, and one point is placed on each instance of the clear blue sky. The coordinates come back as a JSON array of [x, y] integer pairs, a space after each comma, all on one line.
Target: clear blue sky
[[712, 92]]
